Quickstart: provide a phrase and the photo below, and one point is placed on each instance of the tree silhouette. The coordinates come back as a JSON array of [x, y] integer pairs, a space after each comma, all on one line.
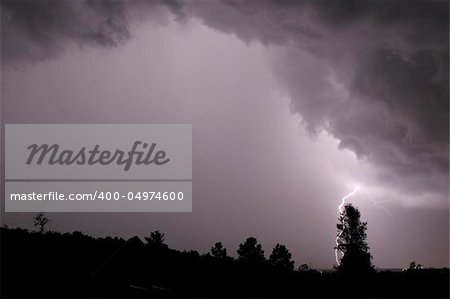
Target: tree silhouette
[[351, 242], [303, 268], [218, 251], [40, 221], [250, 251], [281, 258], [156, 239]]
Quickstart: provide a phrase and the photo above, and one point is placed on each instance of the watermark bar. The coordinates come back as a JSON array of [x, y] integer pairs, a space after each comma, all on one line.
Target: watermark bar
[[98, 168], [98, 196]]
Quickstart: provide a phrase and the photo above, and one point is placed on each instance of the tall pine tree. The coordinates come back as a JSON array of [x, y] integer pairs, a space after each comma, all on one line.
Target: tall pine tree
[[352, 244]]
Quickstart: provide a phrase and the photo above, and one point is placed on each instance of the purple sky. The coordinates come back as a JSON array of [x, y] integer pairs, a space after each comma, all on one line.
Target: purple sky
[[292, 104]]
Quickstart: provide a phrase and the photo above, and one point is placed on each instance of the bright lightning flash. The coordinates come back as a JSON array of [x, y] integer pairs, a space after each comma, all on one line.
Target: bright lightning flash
[[341, 207]]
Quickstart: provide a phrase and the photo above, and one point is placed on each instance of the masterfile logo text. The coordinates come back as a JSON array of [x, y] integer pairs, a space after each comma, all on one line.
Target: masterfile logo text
[[53, 155], [147, 151]]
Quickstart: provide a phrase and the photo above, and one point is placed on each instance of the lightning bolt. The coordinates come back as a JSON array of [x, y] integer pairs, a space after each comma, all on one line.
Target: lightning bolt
[[379, 204], [340, 208], [376, 203]]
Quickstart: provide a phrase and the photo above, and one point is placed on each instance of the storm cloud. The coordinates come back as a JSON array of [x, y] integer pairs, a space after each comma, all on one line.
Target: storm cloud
[[374, 74], [34, 31]]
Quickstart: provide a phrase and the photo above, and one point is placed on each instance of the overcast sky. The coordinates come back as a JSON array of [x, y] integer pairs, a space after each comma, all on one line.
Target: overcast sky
[[293, 104]]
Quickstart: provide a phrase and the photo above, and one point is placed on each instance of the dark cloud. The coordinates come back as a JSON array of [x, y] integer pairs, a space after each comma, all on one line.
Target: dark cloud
[[33, 30], [372, 73]]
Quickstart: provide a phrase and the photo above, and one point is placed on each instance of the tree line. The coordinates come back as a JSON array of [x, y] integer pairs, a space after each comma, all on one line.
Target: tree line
[[79, 265], [351, 242]]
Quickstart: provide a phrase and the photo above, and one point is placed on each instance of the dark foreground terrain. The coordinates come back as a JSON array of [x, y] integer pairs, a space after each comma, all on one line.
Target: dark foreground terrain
[[76, 265]]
